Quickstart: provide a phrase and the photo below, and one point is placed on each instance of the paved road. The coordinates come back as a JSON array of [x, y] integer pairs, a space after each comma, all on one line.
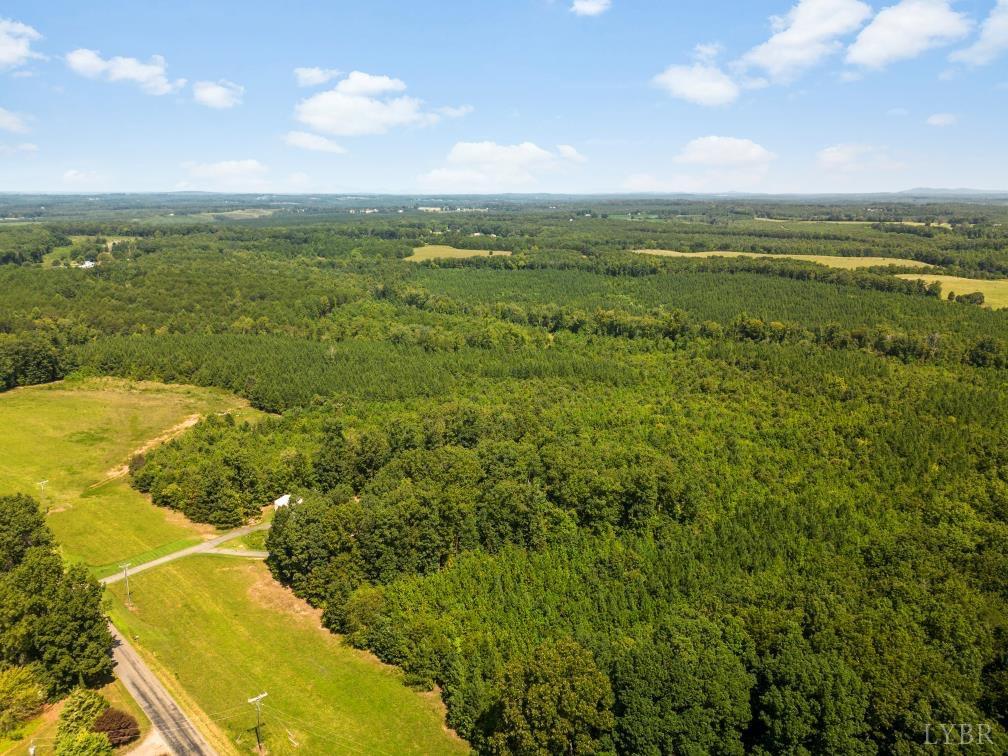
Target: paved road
[[175, 727], [247, 553], [200, 548]]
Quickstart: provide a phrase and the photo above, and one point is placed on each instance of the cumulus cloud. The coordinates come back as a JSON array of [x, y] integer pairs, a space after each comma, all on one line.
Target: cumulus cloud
[[852, 158], [151, 77], [992, 42], [570, 153], [237, 175], [364, 103], [12, 122], [709, 164], [492, 167], [314, 76], [722, 151], [810, 32], [942, 119], [906, 30], [701, 83], [15, 43], [307, 141], [590, 7], [221, 94]]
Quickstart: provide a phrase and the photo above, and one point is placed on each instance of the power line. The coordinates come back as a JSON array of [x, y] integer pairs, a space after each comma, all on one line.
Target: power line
[[257, 702]]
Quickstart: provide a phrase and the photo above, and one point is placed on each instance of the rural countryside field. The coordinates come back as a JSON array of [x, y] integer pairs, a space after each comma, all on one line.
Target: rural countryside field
[[553, 378]]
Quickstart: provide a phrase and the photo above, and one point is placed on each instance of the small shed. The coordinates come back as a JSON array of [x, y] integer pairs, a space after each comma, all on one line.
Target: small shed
[[283, 501]]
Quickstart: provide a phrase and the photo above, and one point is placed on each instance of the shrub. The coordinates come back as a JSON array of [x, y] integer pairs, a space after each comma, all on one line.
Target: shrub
[[81, 710], [120, 728], [21, 697]]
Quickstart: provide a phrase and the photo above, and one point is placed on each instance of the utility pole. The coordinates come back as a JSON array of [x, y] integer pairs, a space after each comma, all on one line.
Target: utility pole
[[125, 568], [31, 748], [257, 702], [42, 485]]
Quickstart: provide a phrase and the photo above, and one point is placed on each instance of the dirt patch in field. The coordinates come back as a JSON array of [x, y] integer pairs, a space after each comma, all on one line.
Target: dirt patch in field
[[168, 435]]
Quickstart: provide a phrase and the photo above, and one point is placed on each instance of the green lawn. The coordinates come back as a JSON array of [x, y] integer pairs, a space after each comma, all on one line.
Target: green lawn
[[435, 251], [224, 631], [831, 261], [995, 292], [76, 435]]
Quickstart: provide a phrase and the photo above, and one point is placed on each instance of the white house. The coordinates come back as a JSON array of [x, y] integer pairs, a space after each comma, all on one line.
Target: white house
[[285, 501]]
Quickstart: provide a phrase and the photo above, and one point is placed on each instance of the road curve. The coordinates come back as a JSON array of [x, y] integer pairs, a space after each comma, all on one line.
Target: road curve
[[200, 548], [178, 731]]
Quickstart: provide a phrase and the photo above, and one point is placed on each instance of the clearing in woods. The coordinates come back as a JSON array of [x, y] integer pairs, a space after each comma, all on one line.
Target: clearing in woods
[[77, 435], [442, 251], [228, 615], [216, 629], [995, 292], [831, 261]]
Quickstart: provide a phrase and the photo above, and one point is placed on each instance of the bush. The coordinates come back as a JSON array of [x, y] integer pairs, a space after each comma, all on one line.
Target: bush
[[21, 697], [120, 728], [84, 743], [81, 710]]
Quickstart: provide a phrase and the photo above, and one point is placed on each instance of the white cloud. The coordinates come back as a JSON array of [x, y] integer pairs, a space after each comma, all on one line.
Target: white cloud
[[852, 158], [77, 178], [312, 77], [570, 153], [455, 112], [808, 33], [359, 83], [235, 175], [25, 148], [590, 7], [12, 122], [721, 151], [307, 141], [151, 77], [492, 167], [707, 51], [363, 104], [15, 43], [701, 83], [943, 119], [221, 94], [993, 39], [906, 30]]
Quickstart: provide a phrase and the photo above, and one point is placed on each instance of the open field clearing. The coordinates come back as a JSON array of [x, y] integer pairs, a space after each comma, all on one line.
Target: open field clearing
[[442, 251], [995, 292], [831, 261], [224, 631], [77, 435]]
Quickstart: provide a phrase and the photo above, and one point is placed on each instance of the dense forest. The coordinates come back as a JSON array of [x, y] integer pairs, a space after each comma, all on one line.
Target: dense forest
[[604, 501]]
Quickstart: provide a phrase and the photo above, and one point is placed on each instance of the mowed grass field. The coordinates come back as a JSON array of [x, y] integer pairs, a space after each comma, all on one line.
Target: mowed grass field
[[832, 261], [77, 435], [995, 292], [216, 629], [223, 631], [441, 251]]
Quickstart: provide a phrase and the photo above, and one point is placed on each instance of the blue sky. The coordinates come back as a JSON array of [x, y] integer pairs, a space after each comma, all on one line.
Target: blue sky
[[518, 95]]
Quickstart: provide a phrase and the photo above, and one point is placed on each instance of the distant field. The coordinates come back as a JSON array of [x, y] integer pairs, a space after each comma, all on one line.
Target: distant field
[[76, 434], [832, 261], [434, 251], [224, 630], [995, 292]]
